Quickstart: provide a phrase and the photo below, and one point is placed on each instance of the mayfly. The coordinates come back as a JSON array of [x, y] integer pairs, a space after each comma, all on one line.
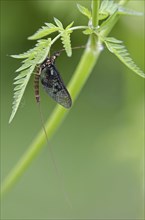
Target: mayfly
[[55, 88], [52, 82]]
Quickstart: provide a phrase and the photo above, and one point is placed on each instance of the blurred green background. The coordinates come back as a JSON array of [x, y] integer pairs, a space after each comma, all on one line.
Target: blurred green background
[[99, 146]]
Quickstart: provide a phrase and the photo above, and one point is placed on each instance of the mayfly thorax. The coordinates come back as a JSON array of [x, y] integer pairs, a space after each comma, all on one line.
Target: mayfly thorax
[[52, 82]]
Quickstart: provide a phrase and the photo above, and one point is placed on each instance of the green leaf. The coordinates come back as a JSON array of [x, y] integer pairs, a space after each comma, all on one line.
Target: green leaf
[[21, 84], [25, 66], [103, 15], [107, 8], [65, 37], [58, 23], [43, 48], [88, 31], [70, 25], [50, 25], [126, 11], [21, 75], [104, 5], [18, 87], [84, 11], [121, 52], [44, 31], [33, 57], [24, 55], [113, 40]]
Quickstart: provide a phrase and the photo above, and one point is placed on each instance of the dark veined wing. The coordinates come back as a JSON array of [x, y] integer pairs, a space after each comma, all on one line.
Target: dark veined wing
[[54, 86]]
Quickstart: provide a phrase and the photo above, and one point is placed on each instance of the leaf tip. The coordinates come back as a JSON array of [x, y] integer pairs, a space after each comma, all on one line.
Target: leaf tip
[[78, 5], [30, 37], [69, 54], [11, 118], [13, 56]]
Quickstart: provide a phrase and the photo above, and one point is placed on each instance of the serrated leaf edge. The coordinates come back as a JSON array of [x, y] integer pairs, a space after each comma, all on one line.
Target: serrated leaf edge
[[121, 52], [85, 11], [19, 92]]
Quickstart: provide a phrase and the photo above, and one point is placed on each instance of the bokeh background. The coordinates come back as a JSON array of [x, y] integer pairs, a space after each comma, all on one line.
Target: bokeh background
[[99, 146]]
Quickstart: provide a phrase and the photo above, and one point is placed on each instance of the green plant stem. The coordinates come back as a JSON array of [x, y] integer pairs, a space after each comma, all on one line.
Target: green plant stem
[[78, 27], [73, 28], [95, 21], [83, 71], [95, 12]]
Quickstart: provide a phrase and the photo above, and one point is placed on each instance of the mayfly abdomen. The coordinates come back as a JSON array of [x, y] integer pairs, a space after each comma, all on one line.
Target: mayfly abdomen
[[36, 86]]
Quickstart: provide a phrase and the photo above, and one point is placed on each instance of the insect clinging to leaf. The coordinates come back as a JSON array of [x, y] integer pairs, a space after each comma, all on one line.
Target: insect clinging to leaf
[[52, 82]]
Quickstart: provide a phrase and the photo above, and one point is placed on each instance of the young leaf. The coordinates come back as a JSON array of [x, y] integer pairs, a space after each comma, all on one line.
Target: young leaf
[[33, 57], [121, 52], [43, 50], [88, 31], [84, 11], [113, 40], [24, 55], [22, 82], [58, 23], [103, 15], [65, 37], [21, 75], [70, 25], [50, 25], [107, 8], [126, 11], [42, 32], [25, 65]]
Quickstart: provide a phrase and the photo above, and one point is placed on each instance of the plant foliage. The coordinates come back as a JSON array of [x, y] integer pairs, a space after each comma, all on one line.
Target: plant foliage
[[44, 31], [118, 49], [107, 8], [85, 11], [33, 57]]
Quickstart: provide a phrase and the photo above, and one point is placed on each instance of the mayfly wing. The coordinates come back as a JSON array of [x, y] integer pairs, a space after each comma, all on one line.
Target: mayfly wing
[[53, 83]]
